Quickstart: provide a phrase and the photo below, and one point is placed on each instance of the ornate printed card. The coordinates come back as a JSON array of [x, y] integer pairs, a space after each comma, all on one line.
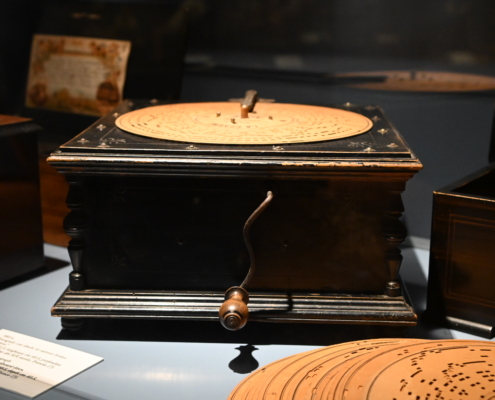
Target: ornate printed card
[[76, 74]]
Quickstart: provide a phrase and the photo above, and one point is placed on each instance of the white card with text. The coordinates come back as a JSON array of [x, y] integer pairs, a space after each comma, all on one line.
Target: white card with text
[[31, 366]]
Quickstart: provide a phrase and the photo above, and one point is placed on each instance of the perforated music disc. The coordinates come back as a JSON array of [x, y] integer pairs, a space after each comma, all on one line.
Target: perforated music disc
[[439, 369], [221, 123], [381, 369]]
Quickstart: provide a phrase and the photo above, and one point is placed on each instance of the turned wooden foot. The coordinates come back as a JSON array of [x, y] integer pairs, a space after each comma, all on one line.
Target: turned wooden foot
[[72, 324]]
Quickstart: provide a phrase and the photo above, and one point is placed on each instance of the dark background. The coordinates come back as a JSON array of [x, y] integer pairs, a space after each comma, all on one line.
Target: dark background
[[450, 132]]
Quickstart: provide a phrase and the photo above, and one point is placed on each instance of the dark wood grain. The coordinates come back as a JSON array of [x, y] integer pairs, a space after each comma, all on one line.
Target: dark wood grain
[[462, 259]]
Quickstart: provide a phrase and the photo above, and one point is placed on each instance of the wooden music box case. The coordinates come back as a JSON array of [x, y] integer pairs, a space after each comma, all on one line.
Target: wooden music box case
[[462, 256], [271, 212]]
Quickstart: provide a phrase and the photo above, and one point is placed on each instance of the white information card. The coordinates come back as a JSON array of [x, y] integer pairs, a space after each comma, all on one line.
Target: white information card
[[31, 366]]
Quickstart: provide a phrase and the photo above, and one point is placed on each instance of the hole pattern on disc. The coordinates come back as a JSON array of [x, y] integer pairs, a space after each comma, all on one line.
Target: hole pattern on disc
[[381, 369], [273, 123]]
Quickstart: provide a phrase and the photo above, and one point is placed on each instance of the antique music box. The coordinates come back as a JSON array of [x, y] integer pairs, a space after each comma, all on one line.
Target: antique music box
[[264, 211]]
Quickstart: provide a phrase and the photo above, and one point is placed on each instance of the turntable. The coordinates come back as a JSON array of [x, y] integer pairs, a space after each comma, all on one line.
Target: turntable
[[264, 211]]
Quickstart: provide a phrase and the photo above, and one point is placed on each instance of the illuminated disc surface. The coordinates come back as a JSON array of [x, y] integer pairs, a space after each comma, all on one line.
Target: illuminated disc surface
[[296, 376], [221, 123], [439, 369], [381, 369]]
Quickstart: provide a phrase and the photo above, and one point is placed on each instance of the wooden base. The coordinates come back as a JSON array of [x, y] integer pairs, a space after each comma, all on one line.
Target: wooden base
[[265, 307]]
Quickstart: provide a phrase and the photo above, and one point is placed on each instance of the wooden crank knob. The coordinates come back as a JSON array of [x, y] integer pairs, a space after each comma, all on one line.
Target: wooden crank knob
[[234, 312]]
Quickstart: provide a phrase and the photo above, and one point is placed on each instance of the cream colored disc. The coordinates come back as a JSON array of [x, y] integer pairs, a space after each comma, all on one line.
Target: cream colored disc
[[221, 123], [437, 369], [298, 375]]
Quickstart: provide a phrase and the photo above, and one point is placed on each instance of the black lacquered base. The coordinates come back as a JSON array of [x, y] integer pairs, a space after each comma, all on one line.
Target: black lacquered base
[[263, 307]]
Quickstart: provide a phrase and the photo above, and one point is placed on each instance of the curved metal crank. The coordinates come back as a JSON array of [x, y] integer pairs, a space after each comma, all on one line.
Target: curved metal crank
[[234, 311]]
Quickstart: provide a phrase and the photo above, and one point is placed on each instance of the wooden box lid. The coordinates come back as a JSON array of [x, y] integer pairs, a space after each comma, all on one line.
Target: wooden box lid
[[105, 147]]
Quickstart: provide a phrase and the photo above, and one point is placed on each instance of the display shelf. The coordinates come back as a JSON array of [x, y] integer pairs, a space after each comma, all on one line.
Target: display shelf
[[174, 360]]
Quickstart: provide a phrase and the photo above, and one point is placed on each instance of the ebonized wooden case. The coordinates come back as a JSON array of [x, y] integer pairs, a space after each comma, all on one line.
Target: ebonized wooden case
[[156, 226]]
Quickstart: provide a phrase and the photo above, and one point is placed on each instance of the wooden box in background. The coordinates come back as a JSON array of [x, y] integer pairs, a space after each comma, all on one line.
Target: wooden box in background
[[461, 291], [21, 237]]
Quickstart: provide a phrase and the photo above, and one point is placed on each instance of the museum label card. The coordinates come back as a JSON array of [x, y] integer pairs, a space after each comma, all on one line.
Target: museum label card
[[76, 74], [30, 366]]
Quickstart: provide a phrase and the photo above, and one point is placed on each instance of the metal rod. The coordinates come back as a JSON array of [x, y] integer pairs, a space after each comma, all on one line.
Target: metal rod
[[247, 226]]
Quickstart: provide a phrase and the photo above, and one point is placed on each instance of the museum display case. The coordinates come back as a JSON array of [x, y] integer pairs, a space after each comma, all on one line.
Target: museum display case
[[158, 225]]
